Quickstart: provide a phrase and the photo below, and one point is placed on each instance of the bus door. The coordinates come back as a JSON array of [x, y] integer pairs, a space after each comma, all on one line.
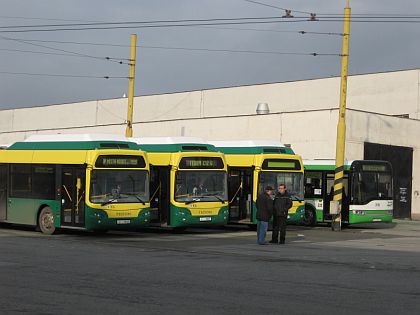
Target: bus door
[[240, 195], [160, 194], [3, 192], [329, 195], [73, 196]]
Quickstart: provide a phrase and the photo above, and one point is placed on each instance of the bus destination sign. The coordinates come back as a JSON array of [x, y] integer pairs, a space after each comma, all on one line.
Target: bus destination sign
[[280, 164], [374, 168], [120, 161], [201, 163]]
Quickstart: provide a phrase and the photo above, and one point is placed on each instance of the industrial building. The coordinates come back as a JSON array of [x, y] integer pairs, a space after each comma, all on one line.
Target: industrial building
[[383, 120]]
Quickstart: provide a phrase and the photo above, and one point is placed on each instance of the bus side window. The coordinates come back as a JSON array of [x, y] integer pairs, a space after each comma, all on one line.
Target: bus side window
[[313, 185]]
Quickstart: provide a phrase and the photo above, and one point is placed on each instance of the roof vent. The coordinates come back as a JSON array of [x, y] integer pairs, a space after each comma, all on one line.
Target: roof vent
[[262, 109]]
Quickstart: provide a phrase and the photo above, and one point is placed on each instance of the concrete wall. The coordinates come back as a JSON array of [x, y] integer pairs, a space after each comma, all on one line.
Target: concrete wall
[[390, 93]]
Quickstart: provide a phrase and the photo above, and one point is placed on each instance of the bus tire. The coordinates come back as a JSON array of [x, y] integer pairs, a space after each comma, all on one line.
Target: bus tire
[[309, 218], [46, 221]]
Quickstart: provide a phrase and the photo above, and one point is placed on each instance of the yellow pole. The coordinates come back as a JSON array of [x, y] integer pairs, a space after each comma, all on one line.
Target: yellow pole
[[129, 129], [341, 127]]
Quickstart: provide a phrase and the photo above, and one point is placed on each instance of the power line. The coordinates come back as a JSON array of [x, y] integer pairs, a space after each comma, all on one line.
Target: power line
[[62, 75], [216, 20], [273, 6], [76, 54], [240, 51], [141, 26], [188, 49], [148, 26]]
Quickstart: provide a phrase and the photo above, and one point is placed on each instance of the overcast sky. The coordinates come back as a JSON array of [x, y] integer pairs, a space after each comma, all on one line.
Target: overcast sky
[[374, 47]]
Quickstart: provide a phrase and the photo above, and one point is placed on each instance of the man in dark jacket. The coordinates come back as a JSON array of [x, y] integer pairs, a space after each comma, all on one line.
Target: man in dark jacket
[[282, 204], [264, 213]]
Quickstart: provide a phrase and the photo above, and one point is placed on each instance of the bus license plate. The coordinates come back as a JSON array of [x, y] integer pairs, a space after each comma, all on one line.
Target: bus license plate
[[377, 220], [205, 219], [123, 221]]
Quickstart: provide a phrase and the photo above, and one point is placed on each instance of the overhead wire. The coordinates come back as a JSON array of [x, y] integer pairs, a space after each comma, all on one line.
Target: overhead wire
[[77, 54], [63, 75], [273, 6]]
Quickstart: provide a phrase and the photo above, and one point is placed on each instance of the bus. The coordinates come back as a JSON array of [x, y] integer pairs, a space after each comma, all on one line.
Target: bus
[[255, 164], [91, 182], [188, 182], [367, 191]]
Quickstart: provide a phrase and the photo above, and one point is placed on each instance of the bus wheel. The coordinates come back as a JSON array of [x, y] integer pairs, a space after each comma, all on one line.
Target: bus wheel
[[310, 217], [46, 221]]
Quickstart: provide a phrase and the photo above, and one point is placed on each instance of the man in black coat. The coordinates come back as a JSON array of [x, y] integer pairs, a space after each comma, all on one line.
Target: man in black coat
[[282, 204], [264, 213]]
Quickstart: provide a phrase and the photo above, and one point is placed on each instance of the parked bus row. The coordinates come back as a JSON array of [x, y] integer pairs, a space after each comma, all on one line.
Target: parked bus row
[[105, 182]]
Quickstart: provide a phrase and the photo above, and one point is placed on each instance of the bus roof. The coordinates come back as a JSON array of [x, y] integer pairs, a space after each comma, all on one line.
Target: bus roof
[[324, 165], [327, 165], [173, 144], [251, 147], [325, 162], [73, 142]]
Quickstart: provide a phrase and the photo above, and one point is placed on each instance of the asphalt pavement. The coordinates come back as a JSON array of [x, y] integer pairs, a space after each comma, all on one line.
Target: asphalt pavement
[[361, 270]]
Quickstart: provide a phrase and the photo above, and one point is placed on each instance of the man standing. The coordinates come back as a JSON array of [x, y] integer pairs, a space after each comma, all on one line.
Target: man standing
[[282, 204], [264, 213]]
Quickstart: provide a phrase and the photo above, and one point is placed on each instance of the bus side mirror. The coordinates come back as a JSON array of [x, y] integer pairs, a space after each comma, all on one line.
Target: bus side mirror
[[79, 184]]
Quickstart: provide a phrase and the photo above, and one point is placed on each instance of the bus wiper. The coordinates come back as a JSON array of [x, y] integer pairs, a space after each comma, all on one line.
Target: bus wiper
[[216, 196], [136, 196], [192, 200], [109, 201], [297, 199]]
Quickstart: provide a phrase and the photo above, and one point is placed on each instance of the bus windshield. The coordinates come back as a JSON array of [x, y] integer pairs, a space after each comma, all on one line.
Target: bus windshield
[[119, 186], [200, 186], [293, 182], [369, 186]]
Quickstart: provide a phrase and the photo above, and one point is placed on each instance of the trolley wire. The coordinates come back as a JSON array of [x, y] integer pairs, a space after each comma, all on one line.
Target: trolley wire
[[63, 75], [73, 53]]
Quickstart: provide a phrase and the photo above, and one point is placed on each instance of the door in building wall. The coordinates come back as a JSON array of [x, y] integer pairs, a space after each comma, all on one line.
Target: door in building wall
[[401, 159]]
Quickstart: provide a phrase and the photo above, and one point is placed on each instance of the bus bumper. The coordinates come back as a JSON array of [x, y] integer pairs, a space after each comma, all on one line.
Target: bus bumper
[[97, 219], [182, 217]]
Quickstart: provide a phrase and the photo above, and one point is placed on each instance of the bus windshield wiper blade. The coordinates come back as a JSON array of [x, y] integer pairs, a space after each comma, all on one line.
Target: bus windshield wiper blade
[[215, 196], [192, 200], [136, 196], [109, 201], [297, 199]]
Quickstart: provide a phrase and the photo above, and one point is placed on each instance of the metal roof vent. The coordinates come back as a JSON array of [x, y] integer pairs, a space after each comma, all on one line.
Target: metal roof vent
[[262, 109]]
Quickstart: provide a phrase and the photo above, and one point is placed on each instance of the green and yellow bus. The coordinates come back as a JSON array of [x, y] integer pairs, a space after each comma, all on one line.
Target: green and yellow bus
[[188, 182], [92, 182], [367, 195], [255, 164]]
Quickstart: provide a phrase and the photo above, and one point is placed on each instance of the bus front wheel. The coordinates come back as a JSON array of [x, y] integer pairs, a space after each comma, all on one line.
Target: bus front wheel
[[46, 221], [310, 217]]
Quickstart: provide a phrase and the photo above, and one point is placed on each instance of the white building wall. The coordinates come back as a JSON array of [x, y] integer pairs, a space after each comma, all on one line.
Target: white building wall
[[301, 115]]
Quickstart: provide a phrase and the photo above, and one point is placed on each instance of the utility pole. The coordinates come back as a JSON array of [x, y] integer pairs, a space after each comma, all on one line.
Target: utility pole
[[336, 204], [129, 128]]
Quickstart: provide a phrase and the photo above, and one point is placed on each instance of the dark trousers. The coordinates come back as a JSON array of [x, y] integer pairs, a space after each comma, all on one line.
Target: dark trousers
[[279, 224]]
